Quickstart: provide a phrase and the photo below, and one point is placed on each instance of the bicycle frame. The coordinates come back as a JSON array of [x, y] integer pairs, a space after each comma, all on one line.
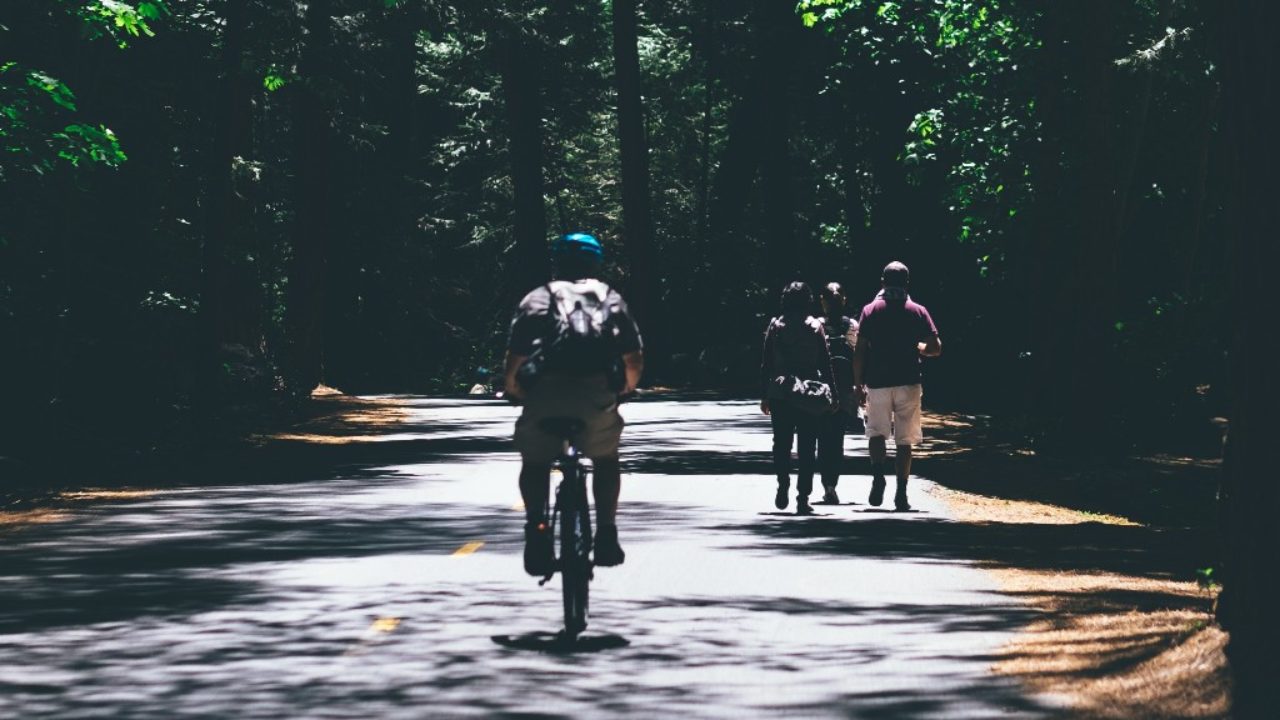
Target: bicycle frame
[[573, 513]]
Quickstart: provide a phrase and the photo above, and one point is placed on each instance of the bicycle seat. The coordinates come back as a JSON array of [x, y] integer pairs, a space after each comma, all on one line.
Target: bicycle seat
[[561, 427]]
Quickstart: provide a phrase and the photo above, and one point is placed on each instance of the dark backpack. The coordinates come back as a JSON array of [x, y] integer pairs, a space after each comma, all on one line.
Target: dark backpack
[[582, 335], [841, 353]]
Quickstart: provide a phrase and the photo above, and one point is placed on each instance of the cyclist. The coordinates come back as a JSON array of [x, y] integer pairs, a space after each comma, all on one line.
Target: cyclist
[[583, 362]]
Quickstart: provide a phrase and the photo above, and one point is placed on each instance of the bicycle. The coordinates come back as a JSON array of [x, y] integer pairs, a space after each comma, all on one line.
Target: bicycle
[[574, 515]]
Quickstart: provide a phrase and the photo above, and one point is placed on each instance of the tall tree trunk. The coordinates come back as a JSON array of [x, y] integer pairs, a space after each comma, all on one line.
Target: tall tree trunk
[[232, 296], [1198, 207], [1250, 495], [1135, 146], [637, 224], [520, 66], [1072, 280], [850, 145], [1088, 289], [731, 187], [703, 210], [313, 228], [776, 30], [400, 161], [403, 74]]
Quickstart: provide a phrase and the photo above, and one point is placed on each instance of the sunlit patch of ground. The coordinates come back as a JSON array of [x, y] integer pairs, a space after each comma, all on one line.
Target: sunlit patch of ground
[[12, 519], [1113, 645], [980, 508], [321, 439], [342, 420], [99, 494]]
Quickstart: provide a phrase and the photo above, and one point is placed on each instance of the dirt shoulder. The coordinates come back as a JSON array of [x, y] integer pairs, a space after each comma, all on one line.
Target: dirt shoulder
[[332, 430], [333, 418], [1124, 630]]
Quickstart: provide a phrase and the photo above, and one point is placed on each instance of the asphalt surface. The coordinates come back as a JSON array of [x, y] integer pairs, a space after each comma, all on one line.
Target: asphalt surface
[[385, 581]]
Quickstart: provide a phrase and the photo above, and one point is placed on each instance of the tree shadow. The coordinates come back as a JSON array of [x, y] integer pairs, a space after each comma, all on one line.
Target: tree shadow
[[966, 454], [558, 643], [1090, 546]]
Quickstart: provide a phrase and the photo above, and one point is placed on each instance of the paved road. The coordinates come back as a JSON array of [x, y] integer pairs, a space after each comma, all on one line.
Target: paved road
[[374, 585]]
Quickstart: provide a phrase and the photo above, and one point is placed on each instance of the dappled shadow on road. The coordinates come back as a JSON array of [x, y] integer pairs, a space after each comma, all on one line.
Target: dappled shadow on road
[[1090, 546], [965, 453], [314, 579], [670, 459], [358, 440], [1099, 599], [697, 462], [156, 558], [177, 554], [786, 648], [559, 644]]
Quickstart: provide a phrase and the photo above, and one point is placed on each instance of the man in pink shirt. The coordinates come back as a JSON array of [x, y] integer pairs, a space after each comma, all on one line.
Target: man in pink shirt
[[894, 332]]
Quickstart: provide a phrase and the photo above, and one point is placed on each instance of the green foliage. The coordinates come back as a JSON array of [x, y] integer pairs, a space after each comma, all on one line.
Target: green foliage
[[120, 20], [944, 133], [273, 82], [957, 60], [40, 129], [1206, 578], [35, 135]]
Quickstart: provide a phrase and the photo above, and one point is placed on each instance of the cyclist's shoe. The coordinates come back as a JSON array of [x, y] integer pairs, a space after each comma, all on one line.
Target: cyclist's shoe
[[900, 501], [608, 551], [829, 497], [803, 507], [877, 491], [780, 500], [539, 555]]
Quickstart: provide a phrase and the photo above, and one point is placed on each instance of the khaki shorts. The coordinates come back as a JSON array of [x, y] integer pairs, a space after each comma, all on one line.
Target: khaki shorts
[[895, 411], [589, 399]]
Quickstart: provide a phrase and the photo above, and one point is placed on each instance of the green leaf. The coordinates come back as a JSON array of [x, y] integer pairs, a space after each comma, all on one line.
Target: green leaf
[[149, 10]]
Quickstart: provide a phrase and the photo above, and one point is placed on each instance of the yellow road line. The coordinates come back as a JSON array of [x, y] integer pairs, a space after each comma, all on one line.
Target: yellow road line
[[468, 549], [381, 626]]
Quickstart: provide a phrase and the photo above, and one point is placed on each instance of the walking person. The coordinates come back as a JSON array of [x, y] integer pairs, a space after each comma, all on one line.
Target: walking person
[[842, 338], [894, 332], [795, 349]]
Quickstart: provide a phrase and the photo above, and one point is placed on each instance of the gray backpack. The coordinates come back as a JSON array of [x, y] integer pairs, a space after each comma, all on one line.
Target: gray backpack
[[583, 336]]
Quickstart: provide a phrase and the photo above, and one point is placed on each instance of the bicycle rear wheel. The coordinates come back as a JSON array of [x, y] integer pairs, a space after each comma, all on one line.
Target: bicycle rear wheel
[[575, 549]]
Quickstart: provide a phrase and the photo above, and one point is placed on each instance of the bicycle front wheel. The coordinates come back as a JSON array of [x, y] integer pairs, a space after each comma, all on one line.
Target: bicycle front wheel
[[575, 563]]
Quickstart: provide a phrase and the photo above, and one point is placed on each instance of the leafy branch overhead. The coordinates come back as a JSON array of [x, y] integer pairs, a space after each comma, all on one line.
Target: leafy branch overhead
[[42, 128]]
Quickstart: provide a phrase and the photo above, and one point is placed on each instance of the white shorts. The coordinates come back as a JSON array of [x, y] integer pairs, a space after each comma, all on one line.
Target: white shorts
[[895, 411]]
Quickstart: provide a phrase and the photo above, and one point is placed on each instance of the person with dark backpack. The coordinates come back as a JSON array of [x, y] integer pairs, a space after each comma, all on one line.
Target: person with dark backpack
[[795, 374], [842, 339], [574, 349]]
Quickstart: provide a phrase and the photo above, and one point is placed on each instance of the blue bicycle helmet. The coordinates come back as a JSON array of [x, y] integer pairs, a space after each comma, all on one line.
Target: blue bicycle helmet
[[573, 243]]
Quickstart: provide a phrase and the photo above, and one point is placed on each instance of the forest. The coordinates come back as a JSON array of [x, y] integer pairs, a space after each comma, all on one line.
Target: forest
[[210, 207]]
